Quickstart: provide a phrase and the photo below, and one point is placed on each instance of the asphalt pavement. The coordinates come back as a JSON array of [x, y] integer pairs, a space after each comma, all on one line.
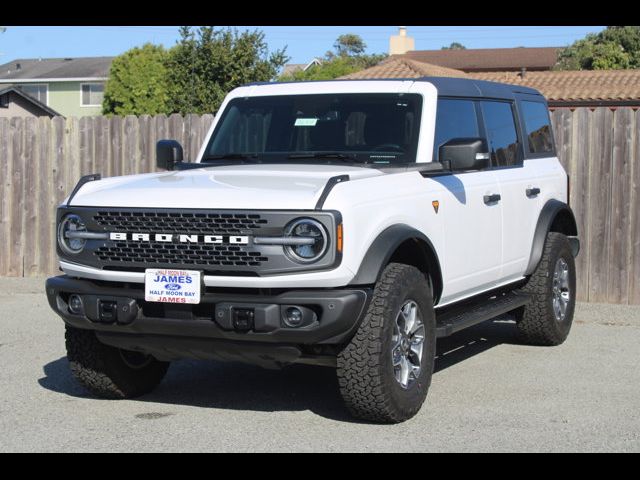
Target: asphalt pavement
[[489, 393]]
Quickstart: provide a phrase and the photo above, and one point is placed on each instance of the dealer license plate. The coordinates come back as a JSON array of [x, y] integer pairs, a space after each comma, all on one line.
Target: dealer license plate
[[172, 286]]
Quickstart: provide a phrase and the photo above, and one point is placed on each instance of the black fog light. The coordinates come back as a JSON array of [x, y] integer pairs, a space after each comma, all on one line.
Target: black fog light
[[293, 317], [75, 305]]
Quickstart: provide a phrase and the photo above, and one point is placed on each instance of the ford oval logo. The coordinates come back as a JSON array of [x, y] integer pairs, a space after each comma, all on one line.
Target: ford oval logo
[[172, 286]]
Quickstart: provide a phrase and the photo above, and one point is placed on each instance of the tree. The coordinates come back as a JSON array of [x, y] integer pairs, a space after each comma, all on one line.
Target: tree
[[455, 46], [613, 48], [348, 57], [349, 45], [204, 66], [137, 82]]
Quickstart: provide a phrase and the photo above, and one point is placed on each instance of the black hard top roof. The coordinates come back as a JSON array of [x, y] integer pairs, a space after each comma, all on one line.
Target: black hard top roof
[[447, 86], [467, 87]]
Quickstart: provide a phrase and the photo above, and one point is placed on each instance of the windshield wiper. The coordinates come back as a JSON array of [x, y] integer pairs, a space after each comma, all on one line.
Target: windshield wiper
[[231, 156], [330, 155]]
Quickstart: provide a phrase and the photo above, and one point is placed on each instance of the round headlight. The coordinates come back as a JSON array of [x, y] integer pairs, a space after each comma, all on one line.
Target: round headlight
[[69, 224], [316, 236]]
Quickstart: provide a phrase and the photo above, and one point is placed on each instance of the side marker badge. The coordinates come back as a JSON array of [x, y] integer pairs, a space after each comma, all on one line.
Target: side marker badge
[[436, 205]]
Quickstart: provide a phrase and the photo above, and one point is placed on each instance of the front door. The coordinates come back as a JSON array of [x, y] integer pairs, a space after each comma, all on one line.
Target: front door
[[472, 225]]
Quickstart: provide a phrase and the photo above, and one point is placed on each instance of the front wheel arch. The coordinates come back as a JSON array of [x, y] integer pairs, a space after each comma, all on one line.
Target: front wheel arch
[[401, 244]]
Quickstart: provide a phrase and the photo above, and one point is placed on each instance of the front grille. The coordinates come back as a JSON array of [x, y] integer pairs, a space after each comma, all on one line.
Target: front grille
[[224, 257], [180, 254], [178, 222]]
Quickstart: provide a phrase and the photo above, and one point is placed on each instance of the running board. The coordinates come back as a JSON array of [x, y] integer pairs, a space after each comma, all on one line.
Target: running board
[[459, 318]]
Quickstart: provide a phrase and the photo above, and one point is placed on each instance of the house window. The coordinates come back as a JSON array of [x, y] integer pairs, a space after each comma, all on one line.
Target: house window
[[37, 91], [92, 94]]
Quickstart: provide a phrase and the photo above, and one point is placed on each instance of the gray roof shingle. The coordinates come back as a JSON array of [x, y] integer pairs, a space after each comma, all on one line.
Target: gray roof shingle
[[58, 68]]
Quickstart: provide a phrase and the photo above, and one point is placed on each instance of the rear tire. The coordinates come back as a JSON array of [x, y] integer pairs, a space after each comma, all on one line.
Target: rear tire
[[372, 367], [547, 319], [109, 372]]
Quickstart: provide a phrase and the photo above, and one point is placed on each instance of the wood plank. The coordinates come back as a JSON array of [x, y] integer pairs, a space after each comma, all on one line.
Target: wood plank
[[86, 147], [192, 136], [59, 192], [116, 157], [161, 133], [634, 211], [5, 195], [618, 251], [176, 128], [31, 168], [72, 154], [600, 202], [579, 163], [46, 207], [102, 138], [129, 145], [17, 205], [144, 143]]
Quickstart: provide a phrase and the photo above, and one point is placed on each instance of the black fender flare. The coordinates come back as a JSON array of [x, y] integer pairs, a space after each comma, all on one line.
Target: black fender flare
[[385, 245], [552, 210]]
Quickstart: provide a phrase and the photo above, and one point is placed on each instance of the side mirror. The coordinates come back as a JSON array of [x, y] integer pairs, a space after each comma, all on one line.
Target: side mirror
[[465, 154], [168, 153]]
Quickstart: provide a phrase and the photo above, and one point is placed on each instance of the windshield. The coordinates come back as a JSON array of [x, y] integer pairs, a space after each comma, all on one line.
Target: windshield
[[359, 128]]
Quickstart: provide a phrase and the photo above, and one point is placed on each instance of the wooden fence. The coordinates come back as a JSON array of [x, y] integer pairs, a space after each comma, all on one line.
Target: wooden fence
[[600, 149], [42, 159]]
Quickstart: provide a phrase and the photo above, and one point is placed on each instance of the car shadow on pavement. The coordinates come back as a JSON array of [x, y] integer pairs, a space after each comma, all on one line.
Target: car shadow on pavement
[[234, 386]]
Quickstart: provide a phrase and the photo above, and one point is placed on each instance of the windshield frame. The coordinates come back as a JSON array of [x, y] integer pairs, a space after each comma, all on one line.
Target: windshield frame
[[342, 157]]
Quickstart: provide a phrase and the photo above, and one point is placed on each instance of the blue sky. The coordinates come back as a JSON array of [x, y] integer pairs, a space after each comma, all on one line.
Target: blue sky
[[303, 42]]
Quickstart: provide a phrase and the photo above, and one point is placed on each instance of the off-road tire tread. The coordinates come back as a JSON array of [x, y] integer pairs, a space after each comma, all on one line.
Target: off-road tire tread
[[536, 321], [98, 368], [359, 364]]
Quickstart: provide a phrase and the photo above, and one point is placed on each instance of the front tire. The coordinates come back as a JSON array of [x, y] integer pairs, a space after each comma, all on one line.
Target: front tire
[[384, 373], [547, 319], [110, 372]]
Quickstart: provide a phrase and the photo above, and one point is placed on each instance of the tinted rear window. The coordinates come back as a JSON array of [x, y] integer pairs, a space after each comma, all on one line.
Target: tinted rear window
[[501, 132], [538, 127]]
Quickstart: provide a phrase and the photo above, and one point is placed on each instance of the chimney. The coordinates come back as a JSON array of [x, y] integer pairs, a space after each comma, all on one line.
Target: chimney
[[400, 44], [523, 72]]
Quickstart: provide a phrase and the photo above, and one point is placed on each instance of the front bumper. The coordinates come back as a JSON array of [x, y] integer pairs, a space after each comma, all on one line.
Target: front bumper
[[209, 329]]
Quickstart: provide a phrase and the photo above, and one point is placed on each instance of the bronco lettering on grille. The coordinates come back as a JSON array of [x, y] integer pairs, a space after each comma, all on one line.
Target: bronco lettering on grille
[[180, 238]]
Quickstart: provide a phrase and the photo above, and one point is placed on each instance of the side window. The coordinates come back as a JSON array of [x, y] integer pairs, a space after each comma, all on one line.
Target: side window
[[501, 132], [454, 119], [538, 127]]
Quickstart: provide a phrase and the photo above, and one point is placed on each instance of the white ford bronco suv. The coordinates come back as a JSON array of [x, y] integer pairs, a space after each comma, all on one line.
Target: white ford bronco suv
[[340, 223]]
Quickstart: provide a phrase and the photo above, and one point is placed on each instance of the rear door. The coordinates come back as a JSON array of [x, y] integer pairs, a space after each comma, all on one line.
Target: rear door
[[517, 180]]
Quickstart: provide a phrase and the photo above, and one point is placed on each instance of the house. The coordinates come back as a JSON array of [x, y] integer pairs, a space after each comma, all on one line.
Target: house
[[16, 103], [568, 88], [67, 86], [490, 59], [398, 66], [477, 59], [291, 68], [530, 67]]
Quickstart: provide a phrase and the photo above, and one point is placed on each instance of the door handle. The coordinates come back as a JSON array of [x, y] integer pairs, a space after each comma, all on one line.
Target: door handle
[[532, 192], [493, 198]]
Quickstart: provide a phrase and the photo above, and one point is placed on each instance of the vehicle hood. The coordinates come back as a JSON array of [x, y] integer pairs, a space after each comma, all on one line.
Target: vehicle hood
[[224, 187]]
